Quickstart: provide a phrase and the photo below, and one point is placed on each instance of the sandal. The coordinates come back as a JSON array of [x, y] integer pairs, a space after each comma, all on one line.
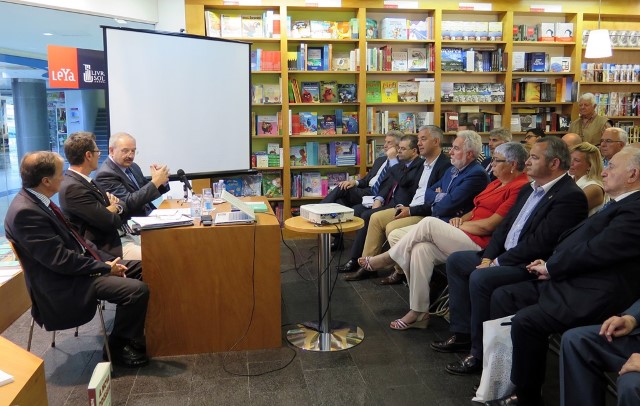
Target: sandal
[[401, 325], [364, 263]]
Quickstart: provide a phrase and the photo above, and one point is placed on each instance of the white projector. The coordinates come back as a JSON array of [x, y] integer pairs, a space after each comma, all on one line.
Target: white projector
[[326, 213]]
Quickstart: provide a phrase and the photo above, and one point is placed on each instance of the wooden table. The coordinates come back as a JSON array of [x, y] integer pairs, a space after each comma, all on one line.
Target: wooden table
[[213, 288], [325, 334], [28, 387]]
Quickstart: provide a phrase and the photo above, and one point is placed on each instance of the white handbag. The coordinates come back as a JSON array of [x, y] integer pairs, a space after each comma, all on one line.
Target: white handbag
[[496, 360]]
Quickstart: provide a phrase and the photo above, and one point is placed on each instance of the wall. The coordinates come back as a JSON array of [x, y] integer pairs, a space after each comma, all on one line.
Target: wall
[[138, 10]]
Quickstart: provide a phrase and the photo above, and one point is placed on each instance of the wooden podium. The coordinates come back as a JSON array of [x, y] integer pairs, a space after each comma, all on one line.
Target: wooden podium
[[213, 288]]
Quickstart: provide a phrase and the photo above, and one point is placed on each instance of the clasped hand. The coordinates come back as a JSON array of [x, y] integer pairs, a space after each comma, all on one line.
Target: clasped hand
[[116, 268], [538, 268]]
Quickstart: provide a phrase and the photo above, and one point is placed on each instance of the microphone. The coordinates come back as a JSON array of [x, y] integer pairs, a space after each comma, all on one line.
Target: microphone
[[183, 178]]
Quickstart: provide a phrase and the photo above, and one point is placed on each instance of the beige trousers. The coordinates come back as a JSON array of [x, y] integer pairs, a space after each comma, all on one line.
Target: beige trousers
[[425, 245], [131, 248], [381, 224]]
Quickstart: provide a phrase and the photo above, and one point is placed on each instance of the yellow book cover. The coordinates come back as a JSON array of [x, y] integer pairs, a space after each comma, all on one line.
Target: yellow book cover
[[532, 92], [389, 91]]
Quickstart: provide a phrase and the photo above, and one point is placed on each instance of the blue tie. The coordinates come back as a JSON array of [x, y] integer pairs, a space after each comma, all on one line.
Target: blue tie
[[376, 186], [129, 173]]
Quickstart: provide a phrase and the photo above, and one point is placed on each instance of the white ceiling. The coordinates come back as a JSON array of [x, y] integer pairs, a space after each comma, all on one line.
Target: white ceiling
[[22, 28]]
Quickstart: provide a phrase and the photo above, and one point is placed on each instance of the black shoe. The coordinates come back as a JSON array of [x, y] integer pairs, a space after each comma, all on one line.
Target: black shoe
[[139, 344], [452, 344], [511, 400], [126, 357], [360, 275], [468, 366], [350, 266]]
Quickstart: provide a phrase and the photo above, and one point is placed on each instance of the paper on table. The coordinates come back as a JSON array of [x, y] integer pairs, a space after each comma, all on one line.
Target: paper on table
[[170, 212], [163, 221], [5, 378]]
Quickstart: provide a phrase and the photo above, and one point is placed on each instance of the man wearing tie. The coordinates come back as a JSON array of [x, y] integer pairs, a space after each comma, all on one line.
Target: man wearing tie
[[97, 215], [123, 177]]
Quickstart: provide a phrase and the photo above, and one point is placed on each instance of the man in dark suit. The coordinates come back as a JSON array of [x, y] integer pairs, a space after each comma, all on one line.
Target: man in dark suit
[[587, 352], [592, 274], [96, 214], [65, 274], [448, 197], [497, 136], [350, 192], [123, 177], [398, 187], [546, 208]]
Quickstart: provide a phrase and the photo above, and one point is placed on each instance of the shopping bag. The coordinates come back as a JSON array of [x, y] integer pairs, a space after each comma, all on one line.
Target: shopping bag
[[496, 360]]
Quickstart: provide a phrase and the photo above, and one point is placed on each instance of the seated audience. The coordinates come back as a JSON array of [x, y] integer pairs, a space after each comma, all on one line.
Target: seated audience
[[533, 135], [591, 275], [497, 136], [586, 170], [552, 204], [587, 352], [612, 141], [123, 177], [66, 274], [432, 240], [449, 197], [98, 215], [571, 139]]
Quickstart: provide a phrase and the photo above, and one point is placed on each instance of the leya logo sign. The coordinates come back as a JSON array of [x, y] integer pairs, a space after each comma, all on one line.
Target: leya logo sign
[[74, 68]]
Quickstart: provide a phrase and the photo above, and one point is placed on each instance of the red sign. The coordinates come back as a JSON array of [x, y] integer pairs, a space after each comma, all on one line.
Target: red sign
[[63, 67]]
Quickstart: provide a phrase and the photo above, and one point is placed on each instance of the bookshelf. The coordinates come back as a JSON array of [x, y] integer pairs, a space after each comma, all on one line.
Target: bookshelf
[[583, 16]]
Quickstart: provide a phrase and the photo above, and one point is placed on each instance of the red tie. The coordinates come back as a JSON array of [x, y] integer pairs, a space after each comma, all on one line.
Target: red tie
[[56, 210]]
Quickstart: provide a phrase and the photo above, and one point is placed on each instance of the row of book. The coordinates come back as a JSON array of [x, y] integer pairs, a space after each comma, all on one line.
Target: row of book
[[533, 90], [421, 90], [322, 92], [621, 38], [453, 59], [273, 157], [404, 60], [618, 104], [548, 32], [631, 128], [375, 149], [381, 122], [482, 121], [312, 123], [242, 26], [314, 184], [472, 30], [472, 92], [268, 125], [266, 93], [540, 62], [264, 183], [544, 118], [609, 72], [322, 58], [263, 60], [312, 153]]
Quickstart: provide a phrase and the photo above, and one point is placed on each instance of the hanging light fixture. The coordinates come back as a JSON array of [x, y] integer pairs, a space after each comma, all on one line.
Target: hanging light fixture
[[599, 42]]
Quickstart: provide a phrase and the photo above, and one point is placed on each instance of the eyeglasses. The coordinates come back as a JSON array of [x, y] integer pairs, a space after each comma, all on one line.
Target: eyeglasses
[[530, 136], [97, 151], [497, 161], [127, 151], [608, 141]]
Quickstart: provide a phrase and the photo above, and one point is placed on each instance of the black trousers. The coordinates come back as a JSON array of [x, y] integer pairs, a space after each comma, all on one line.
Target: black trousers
[[347, 197]]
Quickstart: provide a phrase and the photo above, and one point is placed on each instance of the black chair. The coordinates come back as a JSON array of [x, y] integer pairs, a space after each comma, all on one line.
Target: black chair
[[44, 324]]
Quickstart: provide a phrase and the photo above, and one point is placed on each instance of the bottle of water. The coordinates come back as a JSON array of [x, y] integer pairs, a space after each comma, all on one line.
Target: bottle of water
[[222, 187], [207, 201], [196, 207]]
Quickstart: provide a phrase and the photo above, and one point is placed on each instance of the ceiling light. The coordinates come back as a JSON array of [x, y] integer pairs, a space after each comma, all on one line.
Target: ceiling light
[[120, 21], [599, 43], [48, 34]]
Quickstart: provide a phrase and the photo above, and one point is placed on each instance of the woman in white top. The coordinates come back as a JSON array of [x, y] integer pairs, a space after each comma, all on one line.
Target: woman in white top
[[586, 169]]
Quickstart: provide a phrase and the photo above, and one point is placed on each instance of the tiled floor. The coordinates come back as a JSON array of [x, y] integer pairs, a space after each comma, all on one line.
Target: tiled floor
[[388, 368]]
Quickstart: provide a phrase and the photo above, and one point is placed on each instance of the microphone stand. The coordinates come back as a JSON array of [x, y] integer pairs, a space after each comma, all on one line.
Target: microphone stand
[[186, 193]]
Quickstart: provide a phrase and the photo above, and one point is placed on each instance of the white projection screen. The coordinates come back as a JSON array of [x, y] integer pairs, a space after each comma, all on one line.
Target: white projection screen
[[185, 99]]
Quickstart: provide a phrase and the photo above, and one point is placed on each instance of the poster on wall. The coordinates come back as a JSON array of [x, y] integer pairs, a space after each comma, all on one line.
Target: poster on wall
[[76, 68]]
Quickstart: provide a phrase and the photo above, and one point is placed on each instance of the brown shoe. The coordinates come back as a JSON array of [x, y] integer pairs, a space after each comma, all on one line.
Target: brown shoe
[[395, 278], [360, 275]]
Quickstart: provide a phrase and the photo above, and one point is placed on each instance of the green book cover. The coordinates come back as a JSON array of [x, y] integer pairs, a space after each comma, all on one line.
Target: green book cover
[[374, 91]]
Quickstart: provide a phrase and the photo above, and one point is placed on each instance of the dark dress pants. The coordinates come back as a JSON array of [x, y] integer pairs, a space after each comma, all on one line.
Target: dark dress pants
[[347, 197]]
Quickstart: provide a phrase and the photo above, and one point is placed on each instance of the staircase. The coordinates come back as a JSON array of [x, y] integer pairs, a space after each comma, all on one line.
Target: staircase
[[102, 136]]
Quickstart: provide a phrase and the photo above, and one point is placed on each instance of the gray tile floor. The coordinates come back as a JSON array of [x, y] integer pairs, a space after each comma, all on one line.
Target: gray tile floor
[[387, 368]]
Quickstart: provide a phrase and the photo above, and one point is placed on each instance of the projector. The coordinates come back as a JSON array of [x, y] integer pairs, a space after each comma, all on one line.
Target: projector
[[323, 213]]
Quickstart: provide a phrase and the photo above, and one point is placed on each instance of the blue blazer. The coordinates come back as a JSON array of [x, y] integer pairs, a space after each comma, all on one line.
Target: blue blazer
[[460, 193]]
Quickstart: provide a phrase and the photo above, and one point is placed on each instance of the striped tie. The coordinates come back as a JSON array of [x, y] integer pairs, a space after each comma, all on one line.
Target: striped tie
[[376, 186]]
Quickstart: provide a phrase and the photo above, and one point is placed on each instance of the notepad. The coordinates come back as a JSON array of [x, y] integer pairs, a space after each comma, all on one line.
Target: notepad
[[258, 207]]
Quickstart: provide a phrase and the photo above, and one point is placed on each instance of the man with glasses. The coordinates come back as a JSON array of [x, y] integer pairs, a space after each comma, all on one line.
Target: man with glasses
[[123, 177], [612, 141], [98, 215]]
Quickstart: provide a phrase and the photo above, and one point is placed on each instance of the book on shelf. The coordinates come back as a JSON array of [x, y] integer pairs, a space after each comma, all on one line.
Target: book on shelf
[[300, 29], [407, 91], [371, 27], [347, 92], [495, 31], [334, 178], [420, 29], [231, 26], [341, 61], [312, 153], [252, 27], [328, 91], [308, 123], [426, 90], [271, 93], [323, 154], [451, 59], [267, 125], [389, 91], [314, 58], [326, 124], [393, 28], [546, 31], [424, 118], [311, 184], [564, 32], [298, 155], [446, 91], [417, 59], [374, 91], [212, 24], [560, 64], [256, 94], [349, 122], [233, 185], [407, 122], [271, 184], [450, 121], [399, 61], [99, 388], [251, 184], [518, 59], [392, 121], [343, 153], [320, 29], [310, 92], [341, 30]]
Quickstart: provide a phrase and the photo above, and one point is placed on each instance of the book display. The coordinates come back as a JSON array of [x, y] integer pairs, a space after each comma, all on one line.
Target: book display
[[353, 71]]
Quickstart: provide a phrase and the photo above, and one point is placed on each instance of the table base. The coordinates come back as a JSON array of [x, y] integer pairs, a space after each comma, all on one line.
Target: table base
[[342, 336]]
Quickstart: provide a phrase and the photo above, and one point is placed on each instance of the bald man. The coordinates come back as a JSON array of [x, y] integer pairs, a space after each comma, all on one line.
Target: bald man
[[571, 139]]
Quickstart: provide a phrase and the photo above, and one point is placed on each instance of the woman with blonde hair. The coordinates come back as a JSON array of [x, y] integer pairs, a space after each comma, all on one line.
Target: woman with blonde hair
[[586, 169]]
